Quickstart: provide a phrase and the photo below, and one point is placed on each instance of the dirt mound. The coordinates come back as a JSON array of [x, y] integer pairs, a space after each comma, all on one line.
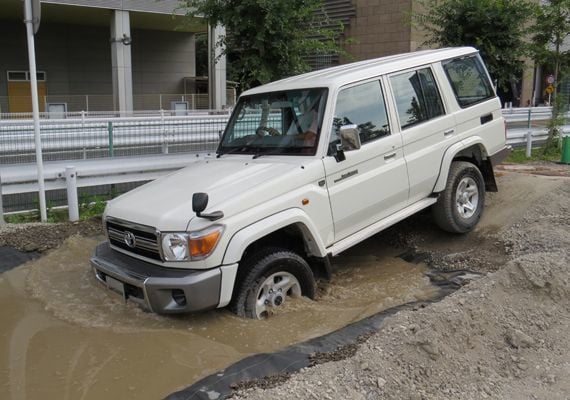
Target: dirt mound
[[502, 337], [496, 338], [41, 237]]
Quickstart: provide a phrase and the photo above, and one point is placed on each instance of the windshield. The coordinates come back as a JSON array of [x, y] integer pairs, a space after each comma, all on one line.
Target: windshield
[[287, 122]]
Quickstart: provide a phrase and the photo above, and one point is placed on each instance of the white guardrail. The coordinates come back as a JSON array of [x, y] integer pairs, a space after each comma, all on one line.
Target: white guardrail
[[22, 178], [71, 175], [522, 121]]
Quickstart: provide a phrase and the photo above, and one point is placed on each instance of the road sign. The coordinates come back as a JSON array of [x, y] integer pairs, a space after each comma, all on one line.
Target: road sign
[[550, 79], [549, 89]]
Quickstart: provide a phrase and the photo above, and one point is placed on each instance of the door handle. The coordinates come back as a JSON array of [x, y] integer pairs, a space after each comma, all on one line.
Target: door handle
[[486, 118], [448, 132], [389, 156]]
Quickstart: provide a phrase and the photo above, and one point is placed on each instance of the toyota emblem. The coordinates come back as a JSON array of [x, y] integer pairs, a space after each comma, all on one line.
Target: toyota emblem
[[130, 239]]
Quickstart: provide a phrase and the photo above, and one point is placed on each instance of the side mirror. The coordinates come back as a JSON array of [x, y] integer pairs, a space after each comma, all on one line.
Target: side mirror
[[349, 137], [199, 204]]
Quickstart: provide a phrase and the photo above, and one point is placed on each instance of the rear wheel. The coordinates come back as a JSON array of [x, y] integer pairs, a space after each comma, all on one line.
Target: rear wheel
[[460, 206], [271, 276]]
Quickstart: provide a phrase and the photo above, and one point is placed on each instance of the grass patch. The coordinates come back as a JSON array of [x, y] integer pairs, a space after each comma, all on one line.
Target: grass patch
[[518, 156], [89, 208]]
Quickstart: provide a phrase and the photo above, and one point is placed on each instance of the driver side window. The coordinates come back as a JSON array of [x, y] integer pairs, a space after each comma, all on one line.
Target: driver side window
[[363, 106]]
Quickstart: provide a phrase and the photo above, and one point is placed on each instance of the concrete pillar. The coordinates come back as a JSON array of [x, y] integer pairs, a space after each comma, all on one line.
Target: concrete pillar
[[190, 86], [121, 61], [216, 68], [191, 47]]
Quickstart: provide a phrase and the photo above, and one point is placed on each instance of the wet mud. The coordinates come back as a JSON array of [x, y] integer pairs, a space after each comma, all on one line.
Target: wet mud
[[64, 336]]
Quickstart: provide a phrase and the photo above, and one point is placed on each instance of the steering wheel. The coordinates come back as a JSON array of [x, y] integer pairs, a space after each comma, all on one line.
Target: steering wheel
[[263, 130]]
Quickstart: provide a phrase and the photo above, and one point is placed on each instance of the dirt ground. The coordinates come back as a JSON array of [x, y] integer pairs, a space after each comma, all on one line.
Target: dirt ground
[[503, 336], [36, 237]]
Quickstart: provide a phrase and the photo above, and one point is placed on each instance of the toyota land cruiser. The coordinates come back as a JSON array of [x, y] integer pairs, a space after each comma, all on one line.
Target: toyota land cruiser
[[307, 167]]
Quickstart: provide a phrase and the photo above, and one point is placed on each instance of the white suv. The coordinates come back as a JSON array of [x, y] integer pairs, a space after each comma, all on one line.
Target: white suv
[[308, 167]]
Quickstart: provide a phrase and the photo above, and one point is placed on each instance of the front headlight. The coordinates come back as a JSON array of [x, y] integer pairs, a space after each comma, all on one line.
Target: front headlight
[[190, 246], [175, 246]]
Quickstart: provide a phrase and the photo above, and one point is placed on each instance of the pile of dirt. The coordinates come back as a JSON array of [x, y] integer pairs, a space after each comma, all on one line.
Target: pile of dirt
[[502, 336], [40, 237]]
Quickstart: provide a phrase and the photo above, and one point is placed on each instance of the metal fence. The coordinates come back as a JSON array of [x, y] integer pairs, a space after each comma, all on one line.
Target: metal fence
[[162, 132], [94, 104], [87, 138]]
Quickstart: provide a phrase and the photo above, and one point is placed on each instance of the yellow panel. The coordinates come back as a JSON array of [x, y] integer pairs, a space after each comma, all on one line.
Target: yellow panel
[[19, 96]]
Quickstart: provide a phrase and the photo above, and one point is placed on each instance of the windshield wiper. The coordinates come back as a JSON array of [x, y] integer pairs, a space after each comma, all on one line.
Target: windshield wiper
[[281, 150], [268, 153], [232, 150]]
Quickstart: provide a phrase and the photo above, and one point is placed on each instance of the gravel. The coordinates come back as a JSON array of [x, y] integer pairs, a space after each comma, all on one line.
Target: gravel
[[41, 237], [503, 336]]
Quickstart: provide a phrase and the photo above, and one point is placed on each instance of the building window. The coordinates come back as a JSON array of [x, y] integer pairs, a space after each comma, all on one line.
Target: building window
[[24, 76]]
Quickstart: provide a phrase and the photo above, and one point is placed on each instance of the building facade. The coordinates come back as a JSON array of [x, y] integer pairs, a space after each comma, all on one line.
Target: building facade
[[377, 28], [101, 55]]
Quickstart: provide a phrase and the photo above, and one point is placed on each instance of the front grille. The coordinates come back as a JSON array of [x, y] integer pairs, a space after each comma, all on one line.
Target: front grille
[[145, 237]]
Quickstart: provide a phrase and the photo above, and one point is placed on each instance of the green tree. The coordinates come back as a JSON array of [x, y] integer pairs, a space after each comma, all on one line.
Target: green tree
[[496, 27], [551, 28], [268, 39]]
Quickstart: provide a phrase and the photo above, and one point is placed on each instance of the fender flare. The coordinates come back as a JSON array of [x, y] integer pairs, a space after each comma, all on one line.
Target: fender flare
[[249, 234], [448, 157]]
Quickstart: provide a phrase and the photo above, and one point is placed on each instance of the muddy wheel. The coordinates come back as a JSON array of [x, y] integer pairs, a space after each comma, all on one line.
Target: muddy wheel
[[460, 206], [270, 277]]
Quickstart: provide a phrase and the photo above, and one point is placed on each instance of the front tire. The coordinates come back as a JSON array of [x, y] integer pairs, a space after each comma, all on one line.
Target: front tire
[[269, 278], [460, 206]]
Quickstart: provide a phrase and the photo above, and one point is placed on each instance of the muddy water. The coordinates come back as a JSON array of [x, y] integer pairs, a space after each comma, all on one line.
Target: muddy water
[[63, 336]]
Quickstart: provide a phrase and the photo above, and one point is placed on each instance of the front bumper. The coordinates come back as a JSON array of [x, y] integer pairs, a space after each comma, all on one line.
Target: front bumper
[[158, 289]]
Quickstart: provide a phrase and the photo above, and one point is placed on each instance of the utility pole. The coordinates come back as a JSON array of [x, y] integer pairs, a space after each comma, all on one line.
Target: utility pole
[[32, 20]]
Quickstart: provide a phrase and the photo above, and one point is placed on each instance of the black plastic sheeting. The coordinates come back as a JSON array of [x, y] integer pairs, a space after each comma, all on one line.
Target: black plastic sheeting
[[11, 258], [291, 359]]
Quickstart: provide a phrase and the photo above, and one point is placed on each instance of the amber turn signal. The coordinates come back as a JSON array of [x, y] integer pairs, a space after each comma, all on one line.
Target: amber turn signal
[[201, 246]]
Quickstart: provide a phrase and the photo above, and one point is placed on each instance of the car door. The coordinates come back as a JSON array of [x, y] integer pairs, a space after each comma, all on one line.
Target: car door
[[427, 131], [371, 182]]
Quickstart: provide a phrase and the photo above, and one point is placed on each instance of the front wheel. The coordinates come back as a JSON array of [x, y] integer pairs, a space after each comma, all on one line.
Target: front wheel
[[270, 278], [460, 206]]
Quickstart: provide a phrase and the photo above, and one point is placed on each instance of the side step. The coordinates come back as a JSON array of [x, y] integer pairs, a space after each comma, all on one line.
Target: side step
[[373, 229]]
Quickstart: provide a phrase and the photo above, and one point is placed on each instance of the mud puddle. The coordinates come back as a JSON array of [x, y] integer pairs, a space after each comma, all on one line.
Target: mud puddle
[[64, 336]]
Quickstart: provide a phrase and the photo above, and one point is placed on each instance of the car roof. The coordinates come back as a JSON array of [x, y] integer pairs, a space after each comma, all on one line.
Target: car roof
[[347, 73]]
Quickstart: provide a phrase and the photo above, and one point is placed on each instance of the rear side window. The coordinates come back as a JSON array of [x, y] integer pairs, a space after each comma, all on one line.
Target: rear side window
[[364, 106], [417, 97], [468, 80]]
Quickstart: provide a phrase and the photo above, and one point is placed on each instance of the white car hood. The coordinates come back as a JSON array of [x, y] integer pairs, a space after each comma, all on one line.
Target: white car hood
[[231, 184]]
